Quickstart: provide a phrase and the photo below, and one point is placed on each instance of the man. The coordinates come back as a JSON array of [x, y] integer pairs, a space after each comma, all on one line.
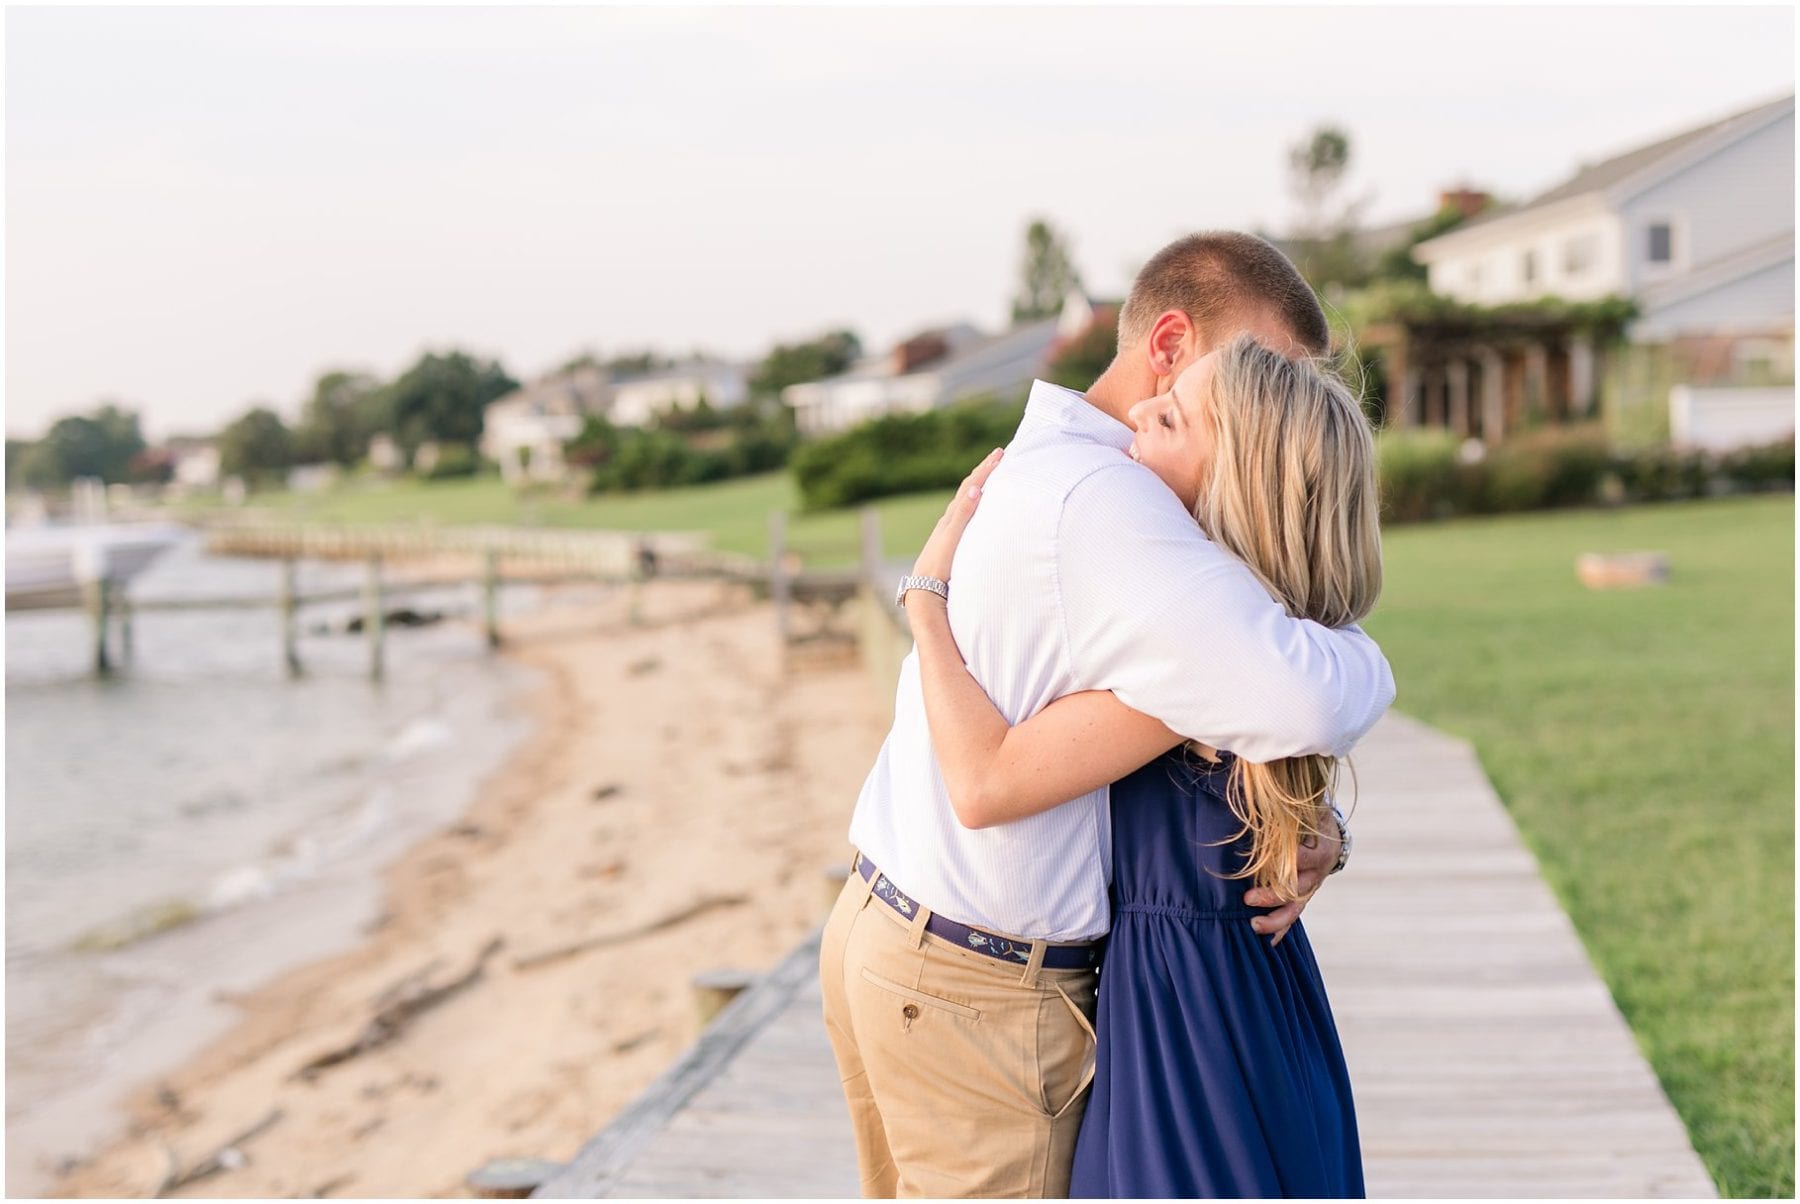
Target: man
[[958, 965]]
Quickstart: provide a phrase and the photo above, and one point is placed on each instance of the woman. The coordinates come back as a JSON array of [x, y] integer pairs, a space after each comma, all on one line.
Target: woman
[[1219, 1072]]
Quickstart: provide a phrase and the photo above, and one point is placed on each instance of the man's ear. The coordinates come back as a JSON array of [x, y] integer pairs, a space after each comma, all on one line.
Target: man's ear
[[1171, 336]]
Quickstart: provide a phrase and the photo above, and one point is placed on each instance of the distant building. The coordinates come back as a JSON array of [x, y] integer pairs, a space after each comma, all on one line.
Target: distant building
[[639, 398], [525, 430], [312, 478], [1696, 229], [384, 454], [935, 369], [196, 462]]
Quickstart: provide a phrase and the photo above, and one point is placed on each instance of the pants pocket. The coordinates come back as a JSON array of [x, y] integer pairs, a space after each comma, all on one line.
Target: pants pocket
[[1066, 1050], [920, 997]]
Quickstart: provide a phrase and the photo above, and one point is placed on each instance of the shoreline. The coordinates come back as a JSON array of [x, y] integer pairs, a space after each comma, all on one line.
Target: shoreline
[[671, 812]]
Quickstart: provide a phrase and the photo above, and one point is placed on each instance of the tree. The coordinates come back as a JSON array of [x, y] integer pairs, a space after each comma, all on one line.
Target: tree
[[795, 363], [1398, 263], [100, 444], [256, 446], [16, 450], [1080, 361], [1325, 242], [337, 420], [1047, 274], [441, 398]]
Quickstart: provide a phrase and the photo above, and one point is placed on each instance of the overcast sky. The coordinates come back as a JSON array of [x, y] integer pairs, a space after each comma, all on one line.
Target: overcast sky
[[207, 207]]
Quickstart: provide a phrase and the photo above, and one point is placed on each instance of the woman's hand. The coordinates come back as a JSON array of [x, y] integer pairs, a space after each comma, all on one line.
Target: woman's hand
[[934, 559]]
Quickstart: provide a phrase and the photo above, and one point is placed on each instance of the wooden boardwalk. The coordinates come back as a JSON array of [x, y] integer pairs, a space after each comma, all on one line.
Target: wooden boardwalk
[[1488, 1058]]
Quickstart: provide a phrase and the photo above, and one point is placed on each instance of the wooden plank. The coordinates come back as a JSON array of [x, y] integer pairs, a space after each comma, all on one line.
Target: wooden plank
[[594, 1170], [1486, 1056]]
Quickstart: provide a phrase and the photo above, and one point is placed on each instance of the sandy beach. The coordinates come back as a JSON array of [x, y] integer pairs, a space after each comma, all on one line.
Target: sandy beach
[[674, 812]]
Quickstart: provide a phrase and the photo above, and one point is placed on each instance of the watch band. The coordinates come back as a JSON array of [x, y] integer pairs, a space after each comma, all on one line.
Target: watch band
[[1343, 826], [931, 584]]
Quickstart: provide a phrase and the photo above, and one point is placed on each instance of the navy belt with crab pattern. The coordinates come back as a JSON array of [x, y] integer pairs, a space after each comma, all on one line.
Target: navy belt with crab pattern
[[1056, 957]]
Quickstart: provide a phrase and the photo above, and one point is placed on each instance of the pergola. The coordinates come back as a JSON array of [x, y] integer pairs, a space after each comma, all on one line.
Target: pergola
[[1480, 373]]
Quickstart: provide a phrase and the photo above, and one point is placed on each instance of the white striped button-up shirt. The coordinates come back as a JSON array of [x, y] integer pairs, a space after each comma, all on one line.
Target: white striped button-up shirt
[[1082, 571]]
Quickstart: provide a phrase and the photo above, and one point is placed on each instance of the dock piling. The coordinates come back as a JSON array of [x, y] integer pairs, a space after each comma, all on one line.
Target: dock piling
[[126, 612], [780, 587], [374, 620], [287, 605], [871, 542], [490, 596], [96, 594], [713, 989]]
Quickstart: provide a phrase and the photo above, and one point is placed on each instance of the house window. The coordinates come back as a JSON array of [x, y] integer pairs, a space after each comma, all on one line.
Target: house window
[[1660, 246], [1528, 267], [1580, 254]]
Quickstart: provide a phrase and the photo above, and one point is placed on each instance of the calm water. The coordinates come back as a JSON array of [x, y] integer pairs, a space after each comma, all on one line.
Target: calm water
[[202, 782]]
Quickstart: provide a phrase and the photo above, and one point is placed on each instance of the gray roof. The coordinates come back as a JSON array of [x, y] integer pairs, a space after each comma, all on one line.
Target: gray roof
[[1599, 177]]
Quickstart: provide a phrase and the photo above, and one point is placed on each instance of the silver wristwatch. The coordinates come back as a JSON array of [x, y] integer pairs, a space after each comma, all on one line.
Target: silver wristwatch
[[940, 588], [1343, 826]]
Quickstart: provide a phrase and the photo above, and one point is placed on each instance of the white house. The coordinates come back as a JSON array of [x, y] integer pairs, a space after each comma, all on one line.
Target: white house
[[196, 462], [525, 430], [1697, 228], [638, 399], [934, 369]]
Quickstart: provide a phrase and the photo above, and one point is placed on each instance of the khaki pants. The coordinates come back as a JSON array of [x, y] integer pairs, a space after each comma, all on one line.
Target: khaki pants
[[966, 1076]]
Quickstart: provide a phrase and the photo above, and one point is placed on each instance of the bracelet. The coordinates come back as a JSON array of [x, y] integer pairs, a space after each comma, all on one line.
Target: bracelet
[[1343, 826], [931, 584]]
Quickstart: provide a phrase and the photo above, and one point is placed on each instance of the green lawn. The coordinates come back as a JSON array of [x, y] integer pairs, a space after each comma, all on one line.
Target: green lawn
[[736, 512], [1642, 739], [1644, 742]]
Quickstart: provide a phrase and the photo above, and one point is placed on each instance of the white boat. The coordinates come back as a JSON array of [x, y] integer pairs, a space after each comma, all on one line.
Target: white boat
[[49, 565]]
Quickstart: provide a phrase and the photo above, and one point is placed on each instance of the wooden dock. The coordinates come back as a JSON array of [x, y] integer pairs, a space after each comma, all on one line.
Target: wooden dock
[[1488, 1058]]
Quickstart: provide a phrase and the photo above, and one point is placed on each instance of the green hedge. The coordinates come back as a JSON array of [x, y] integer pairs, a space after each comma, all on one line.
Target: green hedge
[[453, 460], [628, 459], [902, 453], [1425, 474]]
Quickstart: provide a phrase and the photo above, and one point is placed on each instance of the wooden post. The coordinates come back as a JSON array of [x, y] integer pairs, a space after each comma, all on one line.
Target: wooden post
[[373, 619], [780, 588], [490, 596], [125, 617], [1456, 379], [713, 989], [1493, 398], [871, 543], [832, 879], [96, 597], [1400, 413], [290, 646]]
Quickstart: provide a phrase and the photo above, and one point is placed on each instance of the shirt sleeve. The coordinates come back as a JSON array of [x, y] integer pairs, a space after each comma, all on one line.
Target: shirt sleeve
[[1180, 629]]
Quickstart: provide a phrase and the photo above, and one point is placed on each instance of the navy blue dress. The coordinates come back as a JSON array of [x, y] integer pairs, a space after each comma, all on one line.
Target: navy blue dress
[[1219, 1070]]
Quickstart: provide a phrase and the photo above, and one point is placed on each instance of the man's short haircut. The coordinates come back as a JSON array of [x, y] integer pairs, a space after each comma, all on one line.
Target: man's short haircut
[[1220, 276]]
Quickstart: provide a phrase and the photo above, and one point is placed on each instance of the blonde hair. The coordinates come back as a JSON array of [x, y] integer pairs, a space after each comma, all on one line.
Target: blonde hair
[[1291, 492]]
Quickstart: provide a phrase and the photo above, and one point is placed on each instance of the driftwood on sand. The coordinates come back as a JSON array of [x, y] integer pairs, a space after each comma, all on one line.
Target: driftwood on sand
[[400, 1005], [227, 1157], [545, 956]]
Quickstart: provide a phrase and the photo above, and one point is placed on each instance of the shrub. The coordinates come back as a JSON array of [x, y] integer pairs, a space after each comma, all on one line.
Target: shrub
[[901, 453], [1419, 474], [454, 460], [1662, 474], [1767, 466], [1561, 466], [626, 459]]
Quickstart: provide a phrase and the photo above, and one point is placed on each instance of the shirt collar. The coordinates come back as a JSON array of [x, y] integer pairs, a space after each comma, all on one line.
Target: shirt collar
[[1054, 406]]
